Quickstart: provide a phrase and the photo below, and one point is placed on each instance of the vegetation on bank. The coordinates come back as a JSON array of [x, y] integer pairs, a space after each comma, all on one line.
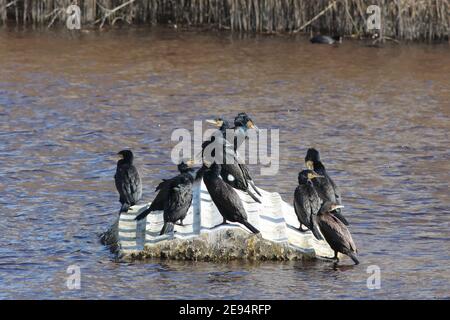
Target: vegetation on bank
[[400, 19]]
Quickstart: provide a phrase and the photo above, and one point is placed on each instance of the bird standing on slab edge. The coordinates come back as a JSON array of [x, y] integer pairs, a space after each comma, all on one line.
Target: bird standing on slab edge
[[167, 193], [127, 180], [179, 199], [242, 124], [335, 232], [231, 171], [325, 186], [307, 202], [225, 197]]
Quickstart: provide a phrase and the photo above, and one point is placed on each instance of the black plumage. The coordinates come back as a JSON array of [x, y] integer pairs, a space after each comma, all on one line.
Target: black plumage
[[335, 232], [325, 186], [178, 201], [127, 180], [174, 197], [225, 198], [231, 169], [307, 202]]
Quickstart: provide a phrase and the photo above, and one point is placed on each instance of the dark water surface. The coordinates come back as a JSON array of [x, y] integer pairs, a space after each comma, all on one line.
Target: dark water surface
[[68, 103]]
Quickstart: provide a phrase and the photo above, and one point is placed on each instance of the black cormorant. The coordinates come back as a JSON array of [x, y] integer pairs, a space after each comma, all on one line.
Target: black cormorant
[[225, 197], [128, 182], [325, 186], [335, 232], [326, 39], [174, 197], [242, 124], [307, 202], [231, 171]]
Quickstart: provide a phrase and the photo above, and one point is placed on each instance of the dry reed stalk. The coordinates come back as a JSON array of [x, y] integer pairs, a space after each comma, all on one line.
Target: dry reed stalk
[[401, 19]]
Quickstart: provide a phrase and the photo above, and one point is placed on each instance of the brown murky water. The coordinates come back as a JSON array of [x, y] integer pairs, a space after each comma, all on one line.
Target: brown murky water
[[68, 103]]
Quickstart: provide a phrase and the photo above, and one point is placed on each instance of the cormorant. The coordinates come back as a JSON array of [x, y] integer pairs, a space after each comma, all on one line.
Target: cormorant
[[307, 202], [335, 232], [127, 180], [231, 173], [225, 197], [243, 123], [325, 186], [174, 197], [326, 39]]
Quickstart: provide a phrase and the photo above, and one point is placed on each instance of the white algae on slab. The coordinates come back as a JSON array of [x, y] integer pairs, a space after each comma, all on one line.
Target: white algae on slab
[[199, 239]]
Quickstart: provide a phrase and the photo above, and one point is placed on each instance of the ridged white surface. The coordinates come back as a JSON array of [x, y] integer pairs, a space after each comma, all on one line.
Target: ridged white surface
[[274, 218]]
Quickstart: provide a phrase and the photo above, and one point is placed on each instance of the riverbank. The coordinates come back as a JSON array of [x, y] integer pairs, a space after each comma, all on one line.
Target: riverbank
[[401, 20]]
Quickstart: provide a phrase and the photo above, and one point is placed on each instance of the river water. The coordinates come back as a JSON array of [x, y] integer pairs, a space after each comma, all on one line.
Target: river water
[[69, 102]]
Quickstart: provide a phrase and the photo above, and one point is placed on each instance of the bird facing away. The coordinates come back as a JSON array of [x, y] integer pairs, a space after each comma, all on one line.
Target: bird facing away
[[179, 199], [326, 39], [169, 190], [225, 197], [307, 202], [325, 186], [127, 180], [335, 232]]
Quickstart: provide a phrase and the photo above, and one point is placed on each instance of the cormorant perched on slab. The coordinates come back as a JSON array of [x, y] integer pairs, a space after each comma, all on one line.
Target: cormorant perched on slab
[[225, 197], [325, 186], [231, 173], [174, 197], [127, 180], [243, 123], [307, 202], [335, 232]]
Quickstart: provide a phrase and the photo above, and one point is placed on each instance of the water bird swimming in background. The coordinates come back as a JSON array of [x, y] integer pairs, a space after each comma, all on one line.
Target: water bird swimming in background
[[307, 202], [326, 39], [335, 232], [127, 180], [225, 197], [325, 186]]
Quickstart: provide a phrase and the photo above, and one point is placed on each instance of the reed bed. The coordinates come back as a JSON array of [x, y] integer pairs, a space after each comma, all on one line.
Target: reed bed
[[400, 19]]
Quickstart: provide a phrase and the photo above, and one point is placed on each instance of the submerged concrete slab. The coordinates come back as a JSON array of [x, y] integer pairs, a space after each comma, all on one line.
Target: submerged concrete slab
[[199, 239]]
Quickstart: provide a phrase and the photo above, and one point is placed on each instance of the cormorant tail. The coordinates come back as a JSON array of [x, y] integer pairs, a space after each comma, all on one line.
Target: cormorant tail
[[253, 196], [352, 256], [315, 228], [143, 214], [254, 187], [250, 227], [339, 215], [167, 228]]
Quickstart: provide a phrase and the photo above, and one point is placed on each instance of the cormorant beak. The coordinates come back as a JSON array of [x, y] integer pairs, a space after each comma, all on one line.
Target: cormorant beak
[[190, 163], [251, 125], [314, 175], [336, 206], [216, 123], [310, 165]]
